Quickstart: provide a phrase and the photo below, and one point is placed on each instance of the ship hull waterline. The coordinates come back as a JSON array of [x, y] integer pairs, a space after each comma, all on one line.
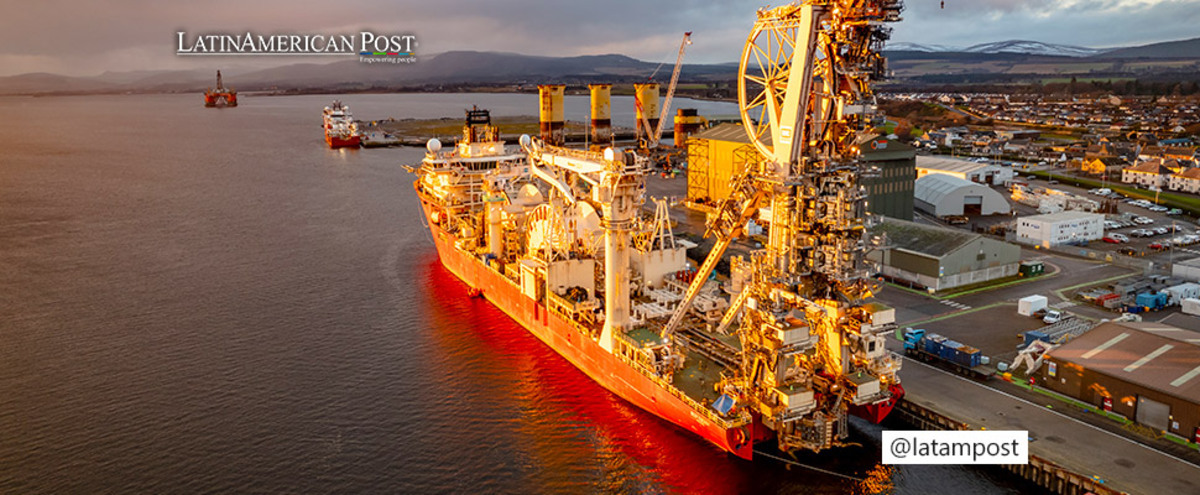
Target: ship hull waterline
[[585, 354]]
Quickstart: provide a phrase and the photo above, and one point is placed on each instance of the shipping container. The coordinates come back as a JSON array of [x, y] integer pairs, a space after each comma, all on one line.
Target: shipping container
[[1029, 305]]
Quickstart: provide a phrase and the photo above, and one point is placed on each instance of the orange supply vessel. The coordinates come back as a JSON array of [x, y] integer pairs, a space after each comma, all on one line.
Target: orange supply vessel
[[340, 129]]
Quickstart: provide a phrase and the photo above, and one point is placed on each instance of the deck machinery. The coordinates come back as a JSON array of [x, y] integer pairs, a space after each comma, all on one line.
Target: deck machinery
[[558, 238], [811, 348]]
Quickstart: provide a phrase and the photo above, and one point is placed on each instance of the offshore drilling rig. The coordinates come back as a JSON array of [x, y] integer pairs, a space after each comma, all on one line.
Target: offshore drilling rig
[[558, 239]]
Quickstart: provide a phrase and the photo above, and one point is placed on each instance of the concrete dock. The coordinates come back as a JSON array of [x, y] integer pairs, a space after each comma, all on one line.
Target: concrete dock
[[1122, 464]]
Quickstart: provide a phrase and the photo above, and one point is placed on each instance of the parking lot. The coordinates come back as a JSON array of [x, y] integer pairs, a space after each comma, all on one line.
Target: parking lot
[[1142, 228]]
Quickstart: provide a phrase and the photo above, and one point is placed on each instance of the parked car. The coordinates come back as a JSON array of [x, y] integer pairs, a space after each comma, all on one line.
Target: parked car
[[1143, 221], [1119, 237], [1104, 191], [1158, 246], [1174, 211], [1161, 231], [1128, 251], [1110, 240], [1158, 209], [1052, 316], [956, 219]]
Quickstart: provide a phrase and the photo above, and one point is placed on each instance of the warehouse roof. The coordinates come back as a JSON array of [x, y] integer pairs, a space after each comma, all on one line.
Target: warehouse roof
[[1152, 355], [735, 133], [1065, 215], [920, 238], [951, 165], [1192, 262], [933, 187]]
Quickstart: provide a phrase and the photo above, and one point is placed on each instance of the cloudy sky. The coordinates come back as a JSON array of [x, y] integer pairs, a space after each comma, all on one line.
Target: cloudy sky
[[83, 37]]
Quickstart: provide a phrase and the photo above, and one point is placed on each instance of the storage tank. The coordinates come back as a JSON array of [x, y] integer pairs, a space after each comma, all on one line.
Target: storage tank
[[646, 101], [601, 114], [687, 122], [550, 115]]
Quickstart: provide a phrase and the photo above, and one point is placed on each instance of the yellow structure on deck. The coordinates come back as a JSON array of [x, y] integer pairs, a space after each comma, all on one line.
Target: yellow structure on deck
[[715, 156]]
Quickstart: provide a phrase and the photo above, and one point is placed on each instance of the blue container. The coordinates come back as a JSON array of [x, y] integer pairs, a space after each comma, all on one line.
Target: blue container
[[969, 357], [950, 349], [1033, 335]]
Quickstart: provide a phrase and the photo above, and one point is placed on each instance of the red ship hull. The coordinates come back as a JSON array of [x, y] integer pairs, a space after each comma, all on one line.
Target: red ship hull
[[341, 142], [604, 367], [876, 412]]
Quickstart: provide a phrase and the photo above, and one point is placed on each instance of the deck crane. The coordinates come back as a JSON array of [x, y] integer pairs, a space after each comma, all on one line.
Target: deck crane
[[652, 139], [666, 108]]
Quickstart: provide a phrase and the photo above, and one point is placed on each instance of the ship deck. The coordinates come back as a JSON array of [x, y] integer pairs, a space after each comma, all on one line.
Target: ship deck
[[699, 374], [698, 377]]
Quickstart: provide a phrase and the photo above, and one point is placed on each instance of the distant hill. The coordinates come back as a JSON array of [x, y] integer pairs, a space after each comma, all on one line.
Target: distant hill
[[1015, 60], [450, 68], [1169, 49]]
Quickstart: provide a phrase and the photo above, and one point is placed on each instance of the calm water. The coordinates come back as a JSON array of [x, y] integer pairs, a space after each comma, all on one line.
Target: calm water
[[196, 300]]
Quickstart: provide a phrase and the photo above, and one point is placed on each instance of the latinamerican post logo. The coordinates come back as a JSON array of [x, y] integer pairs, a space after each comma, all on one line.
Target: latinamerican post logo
[[368, 46]]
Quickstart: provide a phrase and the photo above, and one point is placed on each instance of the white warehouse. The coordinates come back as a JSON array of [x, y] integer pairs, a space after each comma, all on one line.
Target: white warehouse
[[941, 195], [964, 169], [1055, 229]]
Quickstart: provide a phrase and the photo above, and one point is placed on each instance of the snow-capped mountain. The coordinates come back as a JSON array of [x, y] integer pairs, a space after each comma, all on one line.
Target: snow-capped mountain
[[904, 46], [1033, 48], [1010, 46]]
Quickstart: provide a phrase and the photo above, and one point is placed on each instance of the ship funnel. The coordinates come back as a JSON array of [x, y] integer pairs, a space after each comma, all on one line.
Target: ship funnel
[[551, 113], [646, 101], [601, 114]]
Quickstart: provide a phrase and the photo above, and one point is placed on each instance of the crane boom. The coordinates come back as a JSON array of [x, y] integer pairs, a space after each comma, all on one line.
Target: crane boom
[[727, 225], [662, 116]]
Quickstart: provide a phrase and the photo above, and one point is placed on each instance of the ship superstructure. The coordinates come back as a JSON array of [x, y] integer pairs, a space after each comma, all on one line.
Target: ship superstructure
[[340, 129], [785, 347]]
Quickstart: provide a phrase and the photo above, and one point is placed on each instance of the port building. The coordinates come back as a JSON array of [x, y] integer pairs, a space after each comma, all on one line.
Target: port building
[[715, 156], [1146, 372], [890, 187], [1056, 229], [943, 195], [940, 258]]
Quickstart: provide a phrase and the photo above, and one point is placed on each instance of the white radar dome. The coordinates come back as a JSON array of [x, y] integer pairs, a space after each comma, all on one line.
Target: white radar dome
[[433, 145]]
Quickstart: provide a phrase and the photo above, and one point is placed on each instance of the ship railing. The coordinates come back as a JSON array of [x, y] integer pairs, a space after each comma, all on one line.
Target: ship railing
[[670, 387], [558, 305], [661, 382]]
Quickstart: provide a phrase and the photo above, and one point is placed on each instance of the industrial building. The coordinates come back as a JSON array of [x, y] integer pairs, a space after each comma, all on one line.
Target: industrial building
[[890, 192], [964, 169], [1147, 372], [1056, 229], [942, 195], [717, 153], [1188, 269], [942, 258], [714, 155]]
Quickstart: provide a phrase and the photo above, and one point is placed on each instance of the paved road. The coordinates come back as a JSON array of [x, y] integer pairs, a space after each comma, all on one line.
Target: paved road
[[1082, 448], [1069, 271]]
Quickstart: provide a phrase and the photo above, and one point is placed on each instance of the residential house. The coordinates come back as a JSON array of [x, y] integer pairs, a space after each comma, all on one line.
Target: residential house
[[1148, 174], [1103, 166], [1186, 181]]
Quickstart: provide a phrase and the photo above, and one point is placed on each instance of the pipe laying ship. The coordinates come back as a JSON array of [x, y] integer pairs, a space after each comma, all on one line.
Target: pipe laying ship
[[558, 239]]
